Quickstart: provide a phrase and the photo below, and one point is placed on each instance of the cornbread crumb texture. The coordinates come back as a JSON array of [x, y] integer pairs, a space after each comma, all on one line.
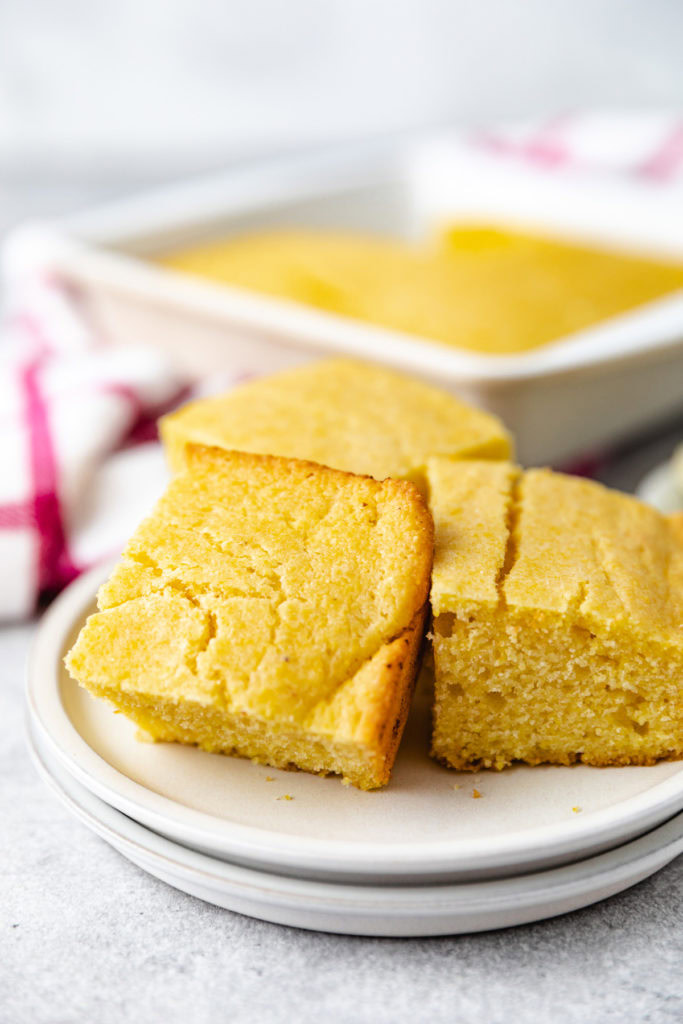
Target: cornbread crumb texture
[[544, 288], [268, 606], [557, 620], [341, 413]]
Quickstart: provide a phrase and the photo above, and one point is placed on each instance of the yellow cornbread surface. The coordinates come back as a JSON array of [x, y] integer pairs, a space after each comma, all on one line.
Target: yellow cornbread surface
[[270, 608], [481, 288], [558, 620], [341, 413]]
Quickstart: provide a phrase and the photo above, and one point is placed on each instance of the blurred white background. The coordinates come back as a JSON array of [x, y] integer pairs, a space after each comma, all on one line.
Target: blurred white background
[[98, 97]]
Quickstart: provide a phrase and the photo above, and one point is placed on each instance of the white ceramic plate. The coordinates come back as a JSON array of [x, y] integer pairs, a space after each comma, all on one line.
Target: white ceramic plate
[[368, 910], [425, 826]]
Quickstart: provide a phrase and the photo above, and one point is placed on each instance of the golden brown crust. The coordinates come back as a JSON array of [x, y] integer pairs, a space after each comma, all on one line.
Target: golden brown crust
[[352, 415], [399, 675], [203, 453], [562, 759]]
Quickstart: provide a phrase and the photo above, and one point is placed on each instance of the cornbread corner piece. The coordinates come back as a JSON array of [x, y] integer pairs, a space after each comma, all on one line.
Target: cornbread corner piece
[[558, 621], [270, 608], [341, 413]]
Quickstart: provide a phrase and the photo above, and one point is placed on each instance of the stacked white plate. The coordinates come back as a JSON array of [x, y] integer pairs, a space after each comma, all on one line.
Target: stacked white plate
[[436, 852]]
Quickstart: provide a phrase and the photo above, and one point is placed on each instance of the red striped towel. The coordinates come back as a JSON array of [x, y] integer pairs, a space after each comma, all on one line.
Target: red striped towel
[[66, 403], [646, 147]]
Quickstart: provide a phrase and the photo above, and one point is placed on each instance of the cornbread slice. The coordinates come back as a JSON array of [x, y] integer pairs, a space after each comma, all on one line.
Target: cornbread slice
[[558, 620], [341, 413], [271, 608]]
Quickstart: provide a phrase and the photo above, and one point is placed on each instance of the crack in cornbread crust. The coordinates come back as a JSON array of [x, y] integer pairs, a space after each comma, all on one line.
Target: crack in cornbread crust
[[342, 413], [557, 632], [362, 751], [268, 591]]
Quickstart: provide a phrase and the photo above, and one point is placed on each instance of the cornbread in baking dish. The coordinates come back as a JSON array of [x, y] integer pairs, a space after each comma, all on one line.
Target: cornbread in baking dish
[[270, 608], [558, 620], [545, 287], [341, 413]]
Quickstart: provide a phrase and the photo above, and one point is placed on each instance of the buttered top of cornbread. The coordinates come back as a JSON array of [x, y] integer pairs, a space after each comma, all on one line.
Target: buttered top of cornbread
[[261, 584], [544, 287], [543, 541], [341, 413]]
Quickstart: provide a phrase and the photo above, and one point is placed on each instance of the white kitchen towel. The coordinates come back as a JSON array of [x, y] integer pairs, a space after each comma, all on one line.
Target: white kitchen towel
[[67, 403], [646, 147]]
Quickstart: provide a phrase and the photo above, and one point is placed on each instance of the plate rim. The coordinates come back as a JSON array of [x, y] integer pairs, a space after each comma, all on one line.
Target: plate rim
[[621, 866], [611, 826]]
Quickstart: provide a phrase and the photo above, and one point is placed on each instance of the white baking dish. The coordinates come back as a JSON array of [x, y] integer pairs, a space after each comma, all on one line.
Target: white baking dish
[[577, 394]]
